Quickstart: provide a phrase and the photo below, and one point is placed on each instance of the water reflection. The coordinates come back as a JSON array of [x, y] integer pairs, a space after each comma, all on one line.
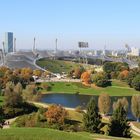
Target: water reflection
[[74, 100]]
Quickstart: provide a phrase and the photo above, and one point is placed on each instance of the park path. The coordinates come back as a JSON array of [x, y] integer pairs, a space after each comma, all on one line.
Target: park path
[[8, 122], [135, 130]]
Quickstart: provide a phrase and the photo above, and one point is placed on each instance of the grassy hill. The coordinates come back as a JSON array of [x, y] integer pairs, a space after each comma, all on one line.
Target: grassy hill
[[57, 66], [50, 134]]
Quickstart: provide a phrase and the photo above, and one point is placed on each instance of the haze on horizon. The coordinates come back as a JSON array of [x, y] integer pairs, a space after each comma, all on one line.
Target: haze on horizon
[[99, 22]]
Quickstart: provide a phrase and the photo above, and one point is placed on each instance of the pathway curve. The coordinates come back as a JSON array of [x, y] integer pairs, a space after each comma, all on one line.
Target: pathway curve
[[135, 129], [8, 122]]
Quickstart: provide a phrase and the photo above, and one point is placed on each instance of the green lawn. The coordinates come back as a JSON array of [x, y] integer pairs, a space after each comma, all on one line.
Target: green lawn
[[49, 134], [57, 66], [115, 90]]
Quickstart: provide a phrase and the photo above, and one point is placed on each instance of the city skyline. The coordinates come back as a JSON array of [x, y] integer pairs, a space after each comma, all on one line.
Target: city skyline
[[100, 23]]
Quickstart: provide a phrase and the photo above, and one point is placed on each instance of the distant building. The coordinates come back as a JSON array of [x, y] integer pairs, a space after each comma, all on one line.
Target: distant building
[[134, 52], [98, 52], [8, 42]]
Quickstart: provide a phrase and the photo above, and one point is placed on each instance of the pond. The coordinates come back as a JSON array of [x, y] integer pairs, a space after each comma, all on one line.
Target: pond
[[74, 100]]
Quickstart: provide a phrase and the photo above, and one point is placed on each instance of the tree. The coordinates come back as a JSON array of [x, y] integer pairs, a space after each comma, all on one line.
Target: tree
[[56, 114], [91, 118], [136, 82], [123, 75], [18, 88], [132, 74], [31, 93], [115, 67], [1, 117], [12, 98], [85, 77], [37, 72], [135, 106], [104, 102], [123, 101], [101, 79], [119, 125], [76, 73]]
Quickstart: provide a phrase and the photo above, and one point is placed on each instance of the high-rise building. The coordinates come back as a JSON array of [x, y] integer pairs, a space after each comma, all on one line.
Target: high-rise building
[[8, 42]]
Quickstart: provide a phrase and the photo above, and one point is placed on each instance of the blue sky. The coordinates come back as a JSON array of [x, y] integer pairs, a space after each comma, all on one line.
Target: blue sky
[[100, 22]]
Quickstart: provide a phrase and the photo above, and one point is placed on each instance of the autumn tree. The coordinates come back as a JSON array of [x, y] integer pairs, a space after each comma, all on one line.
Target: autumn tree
[[91, 118], [135, 106], [85, 77], [76, 73], [12, 98], [104, 103], [31, 93], [37, 72], [123, 101], [123, 75], [18, 88], [56, 114]]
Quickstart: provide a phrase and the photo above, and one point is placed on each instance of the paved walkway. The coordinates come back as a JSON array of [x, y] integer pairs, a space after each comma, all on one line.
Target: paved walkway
[[135, 130], [8, 122]]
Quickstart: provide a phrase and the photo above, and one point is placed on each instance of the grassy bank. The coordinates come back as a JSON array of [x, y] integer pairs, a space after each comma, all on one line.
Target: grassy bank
[[117, 89], [49, 134], [57, 66]]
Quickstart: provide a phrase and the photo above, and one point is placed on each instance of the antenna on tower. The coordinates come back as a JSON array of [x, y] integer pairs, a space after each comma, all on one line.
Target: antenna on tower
[[56, 45], [3, 53], [3, 45], [34, 45], [14, 44]]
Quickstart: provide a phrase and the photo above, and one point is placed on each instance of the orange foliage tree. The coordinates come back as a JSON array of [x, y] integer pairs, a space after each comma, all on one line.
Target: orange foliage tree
[[56, 114], [85, 77], [123, 75]]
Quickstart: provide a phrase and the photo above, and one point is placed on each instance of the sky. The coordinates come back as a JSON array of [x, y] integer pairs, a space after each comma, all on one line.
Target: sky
[[110, 23]]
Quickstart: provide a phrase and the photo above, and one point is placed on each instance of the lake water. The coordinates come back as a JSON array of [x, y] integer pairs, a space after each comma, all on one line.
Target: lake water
[[74, 100]]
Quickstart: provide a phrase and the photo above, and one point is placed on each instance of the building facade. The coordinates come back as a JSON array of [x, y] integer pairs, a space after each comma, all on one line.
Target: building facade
[[134, 52], [8, 42]]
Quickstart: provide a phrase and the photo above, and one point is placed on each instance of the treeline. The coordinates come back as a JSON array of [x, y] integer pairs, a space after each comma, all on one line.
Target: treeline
[[111, 70], [121, 71], [24, 76]]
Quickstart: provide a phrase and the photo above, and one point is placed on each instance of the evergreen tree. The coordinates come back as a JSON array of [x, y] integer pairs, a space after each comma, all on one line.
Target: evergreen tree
[[119, 124], [92, 119]]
